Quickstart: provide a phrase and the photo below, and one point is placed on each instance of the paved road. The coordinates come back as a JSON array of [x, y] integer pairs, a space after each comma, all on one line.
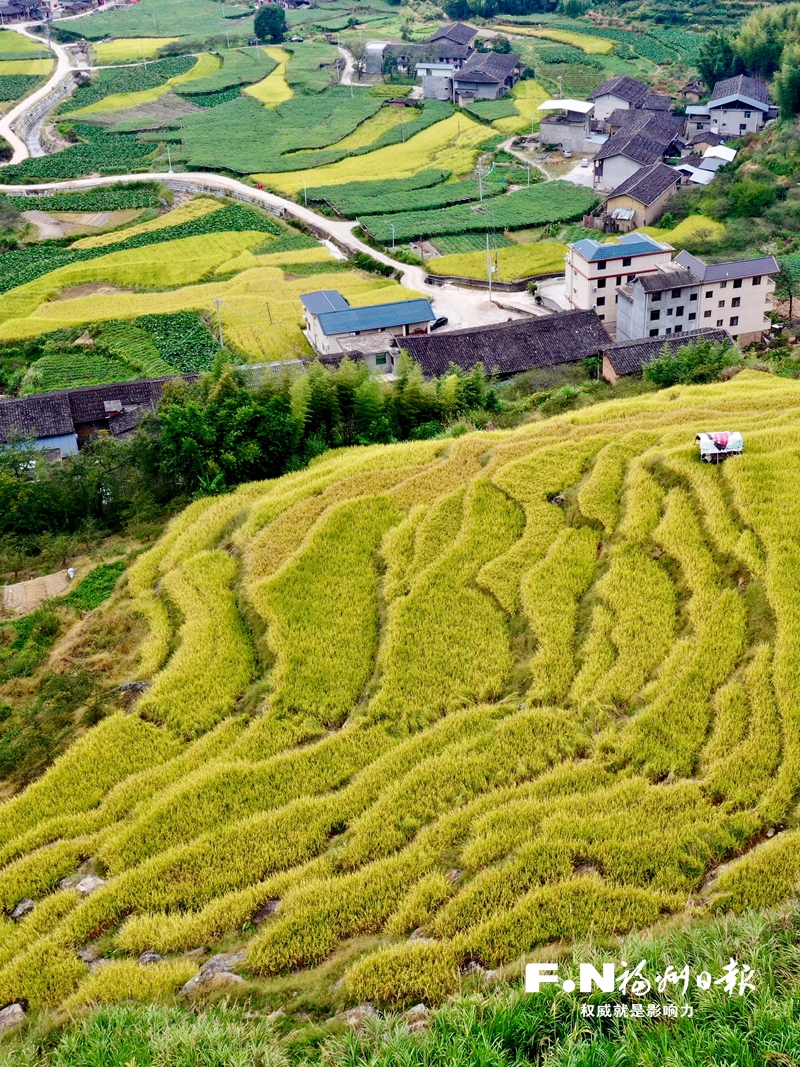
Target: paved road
[[462, 307], [61, 70]]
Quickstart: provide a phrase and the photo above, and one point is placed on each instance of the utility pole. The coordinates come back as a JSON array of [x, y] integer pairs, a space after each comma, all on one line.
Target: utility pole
[[169, 157], [269, 313], [392, 226], [528, 169], [489, 266], [144, 58], [228, 39], [305, 192], [560, 86], [218, 302]]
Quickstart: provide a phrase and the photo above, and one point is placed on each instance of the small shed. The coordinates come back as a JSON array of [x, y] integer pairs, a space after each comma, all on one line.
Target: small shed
[[715, 447]]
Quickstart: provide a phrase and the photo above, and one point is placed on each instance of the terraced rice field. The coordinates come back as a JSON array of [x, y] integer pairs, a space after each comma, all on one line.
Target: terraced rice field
[[274, 89], [129, 50], [518, 261], [598, 46], [504, 690]]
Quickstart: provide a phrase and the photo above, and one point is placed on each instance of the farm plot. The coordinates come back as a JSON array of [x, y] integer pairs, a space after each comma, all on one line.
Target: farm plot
[[15, 86], [517, 261], [240, 66], [16, 44], [550, 202], [274, 89], [122, 84], [415, 199], [127, 51], [342, 197], [452, 144], [583, 784], [600, 46], [201, 18]]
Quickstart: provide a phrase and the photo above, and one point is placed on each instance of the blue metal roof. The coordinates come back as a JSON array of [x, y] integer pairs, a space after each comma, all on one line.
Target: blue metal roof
[[630, 244], [324, 300], [377, 317]]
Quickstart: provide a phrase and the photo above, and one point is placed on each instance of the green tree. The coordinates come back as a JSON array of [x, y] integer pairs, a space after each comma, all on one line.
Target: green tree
[[787, 283], [787, 82], [698, 361], [765, 34], [501, 45], [717, 59], [270, 24]]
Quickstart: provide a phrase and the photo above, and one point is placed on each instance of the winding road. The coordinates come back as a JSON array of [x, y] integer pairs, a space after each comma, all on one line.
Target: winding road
[[462, 307]]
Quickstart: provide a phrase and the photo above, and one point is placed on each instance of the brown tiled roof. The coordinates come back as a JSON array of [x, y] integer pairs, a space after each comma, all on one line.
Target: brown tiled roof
[[511, 347], [648, 184], [629, 357]]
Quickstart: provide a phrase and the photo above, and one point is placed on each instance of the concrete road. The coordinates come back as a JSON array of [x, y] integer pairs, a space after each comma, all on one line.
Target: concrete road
[[61, 70], [462, 307]]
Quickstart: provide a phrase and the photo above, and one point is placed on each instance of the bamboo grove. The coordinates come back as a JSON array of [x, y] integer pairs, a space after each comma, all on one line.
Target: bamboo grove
[[493, 692]]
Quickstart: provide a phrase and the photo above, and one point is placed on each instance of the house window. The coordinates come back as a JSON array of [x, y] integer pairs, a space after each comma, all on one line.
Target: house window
[[668, 331], [735, 320], [601, 265], [719, 322], [706, 314], [747, 114], [720, 303], [656, 296], [679, 329], [602, 318], [737, 284], [701, 126], [655, 316], [601, 283], [669, 311], [692, 315], [626, 261], [619, 279], [631, 277], [723, 285], [676, 294], [757, 280], [742, 125], [709, 294], [654, 333], [693, 296], [679, 312], [736, 302], [601, 300], [380, 359]]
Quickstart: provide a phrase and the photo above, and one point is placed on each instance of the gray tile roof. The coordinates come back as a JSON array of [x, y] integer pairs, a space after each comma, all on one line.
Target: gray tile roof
[[511, 347], [57, 414], [495, 65], [662, 280], [626, 88], [648, 184], [629, 357], [458, 33], [645, 139], [722, 272], [741, 86]]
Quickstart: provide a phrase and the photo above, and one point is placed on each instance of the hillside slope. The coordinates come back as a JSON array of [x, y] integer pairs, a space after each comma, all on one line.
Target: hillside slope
[[498, 691]]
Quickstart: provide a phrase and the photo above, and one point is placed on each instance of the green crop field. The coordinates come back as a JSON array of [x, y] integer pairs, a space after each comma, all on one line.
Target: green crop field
[[549, 202], [511, 689]]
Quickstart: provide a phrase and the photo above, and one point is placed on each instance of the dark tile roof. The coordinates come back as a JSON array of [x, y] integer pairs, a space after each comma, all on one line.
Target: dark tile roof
[[648, 184], [626, 88], [662, 280], [40, 415], [741, 86], [644, 140], [497, 66], [458, 33], [628, 357], [449, 50], [511, 347], [656, 102], [59, 413], [708, 137], [696, 86], [722, 272]]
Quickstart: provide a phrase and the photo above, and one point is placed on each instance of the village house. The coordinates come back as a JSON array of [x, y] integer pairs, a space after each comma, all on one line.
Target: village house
[[648, 137], [641, 199], [737, 106], [626, 93], [454, 44], [594, 270], [628, 358], [688, 294], [59, 423], [484, 76], [330, 319], [550, 343], [568, 124]]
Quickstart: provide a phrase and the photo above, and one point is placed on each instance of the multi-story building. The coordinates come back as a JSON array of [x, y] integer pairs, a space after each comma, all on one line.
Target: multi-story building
[[688, 294], [594, 271], [737, 106], [735, 295]]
